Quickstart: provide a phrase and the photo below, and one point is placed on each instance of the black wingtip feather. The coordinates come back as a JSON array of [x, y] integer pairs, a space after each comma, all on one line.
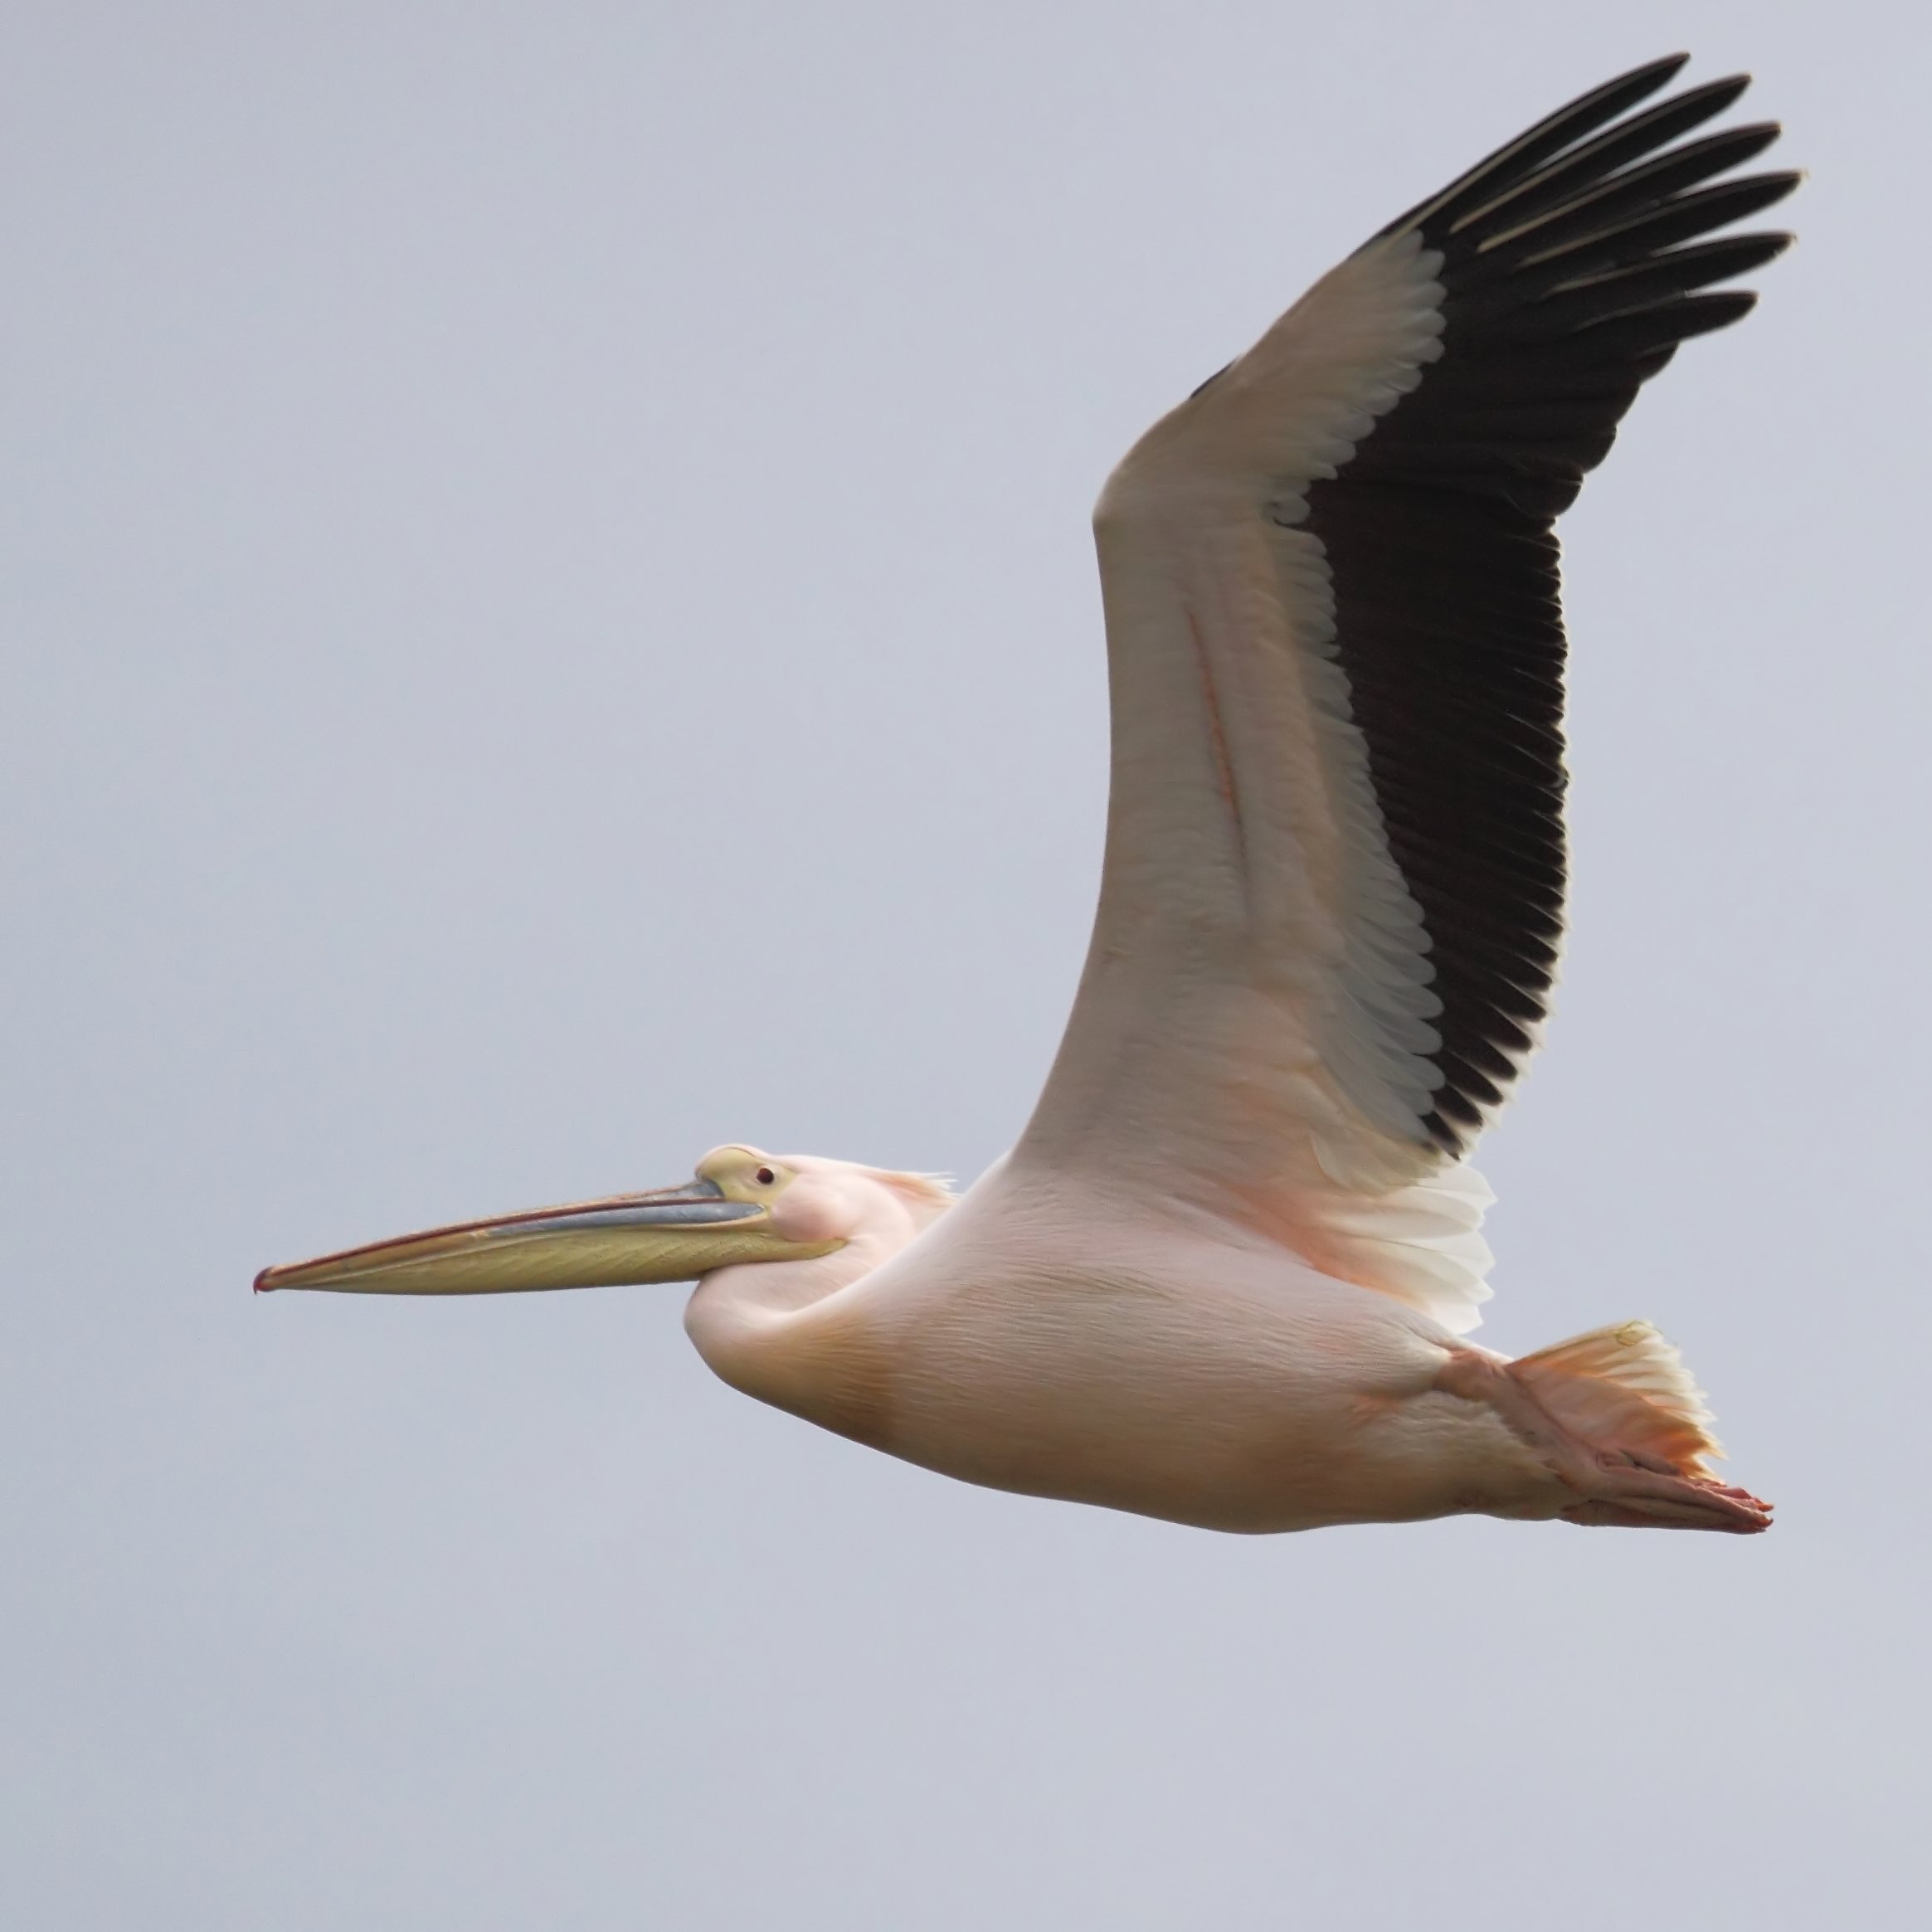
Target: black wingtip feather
[[1590, 244], [1618, 146], [1515, 158]]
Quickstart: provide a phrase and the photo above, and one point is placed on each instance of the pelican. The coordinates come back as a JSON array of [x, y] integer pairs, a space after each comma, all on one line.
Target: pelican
[[1226, 1276]]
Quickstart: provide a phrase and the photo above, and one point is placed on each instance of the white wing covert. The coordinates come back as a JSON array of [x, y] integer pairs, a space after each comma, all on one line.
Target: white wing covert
[[1334, 884]]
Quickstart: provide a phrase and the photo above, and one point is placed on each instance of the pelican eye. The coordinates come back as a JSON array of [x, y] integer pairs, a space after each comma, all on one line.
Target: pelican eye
[[764, 1177]]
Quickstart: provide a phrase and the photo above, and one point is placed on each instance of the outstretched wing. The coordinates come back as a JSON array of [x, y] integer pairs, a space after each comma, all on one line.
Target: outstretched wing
[[1333, 886]]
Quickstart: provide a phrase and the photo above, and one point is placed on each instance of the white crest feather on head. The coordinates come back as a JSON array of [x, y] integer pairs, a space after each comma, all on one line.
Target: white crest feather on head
[[927, 1195]]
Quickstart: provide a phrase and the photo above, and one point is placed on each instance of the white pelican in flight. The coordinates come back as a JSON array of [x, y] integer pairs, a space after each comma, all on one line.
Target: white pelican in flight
[[1225, 1276]]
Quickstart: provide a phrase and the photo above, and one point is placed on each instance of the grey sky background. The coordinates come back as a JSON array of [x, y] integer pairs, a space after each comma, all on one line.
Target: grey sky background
[[549, 623]]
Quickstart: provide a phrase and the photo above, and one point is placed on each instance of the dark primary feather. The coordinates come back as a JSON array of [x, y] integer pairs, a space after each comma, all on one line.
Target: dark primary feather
[[1566, 287], [1529, 149]]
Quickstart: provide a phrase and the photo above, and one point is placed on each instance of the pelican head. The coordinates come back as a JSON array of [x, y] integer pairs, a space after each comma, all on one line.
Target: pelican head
[[741, 1206], [769, 1238]]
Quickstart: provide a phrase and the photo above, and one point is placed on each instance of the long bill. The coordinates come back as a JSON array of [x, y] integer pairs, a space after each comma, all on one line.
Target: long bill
[[673, 1234]]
